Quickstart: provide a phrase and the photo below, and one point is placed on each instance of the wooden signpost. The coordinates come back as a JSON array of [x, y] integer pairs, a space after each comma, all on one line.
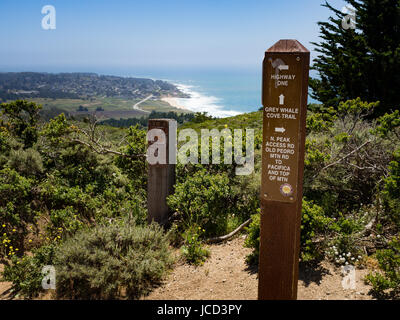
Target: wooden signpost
[[284, 98], [161, 176]]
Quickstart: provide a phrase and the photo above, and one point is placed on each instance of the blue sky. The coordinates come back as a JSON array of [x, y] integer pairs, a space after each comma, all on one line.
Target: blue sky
[[174, 33]]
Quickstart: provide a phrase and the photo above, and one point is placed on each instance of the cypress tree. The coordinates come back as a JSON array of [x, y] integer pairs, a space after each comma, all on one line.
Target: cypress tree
[[361, 62]]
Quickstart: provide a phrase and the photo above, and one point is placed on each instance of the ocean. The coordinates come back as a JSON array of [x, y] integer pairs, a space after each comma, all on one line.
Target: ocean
[[219, 91]]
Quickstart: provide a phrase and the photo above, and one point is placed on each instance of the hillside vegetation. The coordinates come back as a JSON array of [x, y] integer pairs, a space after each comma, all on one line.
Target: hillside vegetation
[[14, 85], [79, 94], [64, 183]]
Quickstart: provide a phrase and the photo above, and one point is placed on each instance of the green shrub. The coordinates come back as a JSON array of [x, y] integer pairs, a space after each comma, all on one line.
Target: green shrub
[[21, 117], [345, 159], [135, 168], [389, 125], [391, 192], [253, 238], [15, 210], [386, 282], [344, 247], [202, 200], [57, 196], [7, 142], [26, 162], [245, 192], [314, 224], [193, 250], [65, 220], [341, 240], [25, 273], [112, 261]]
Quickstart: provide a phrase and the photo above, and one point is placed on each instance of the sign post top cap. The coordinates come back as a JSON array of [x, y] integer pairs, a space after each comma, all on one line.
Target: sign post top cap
[[288, 46], [164, 120]]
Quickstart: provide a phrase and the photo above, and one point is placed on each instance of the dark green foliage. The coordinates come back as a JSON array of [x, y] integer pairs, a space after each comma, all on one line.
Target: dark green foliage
[[192, 248], [117, 260], [8, 143], [200, 117], [386, 282], [389, 126], [314, 223], [21, 117], [391, 191], [82, 109], [253, 239], [27, 162], [26, 273], [77, 183], [346, 168], [134, 168], [342, 243], [360, 63], [320, 119], [15, 210], [336, 172], [202, 201], [65, 220]]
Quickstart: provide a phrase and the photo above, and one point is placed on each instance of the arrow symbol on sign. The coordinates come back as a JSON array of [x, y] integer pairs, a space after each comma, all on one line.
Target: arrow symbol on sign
[[283, 67], [281, 99], [281, 130]]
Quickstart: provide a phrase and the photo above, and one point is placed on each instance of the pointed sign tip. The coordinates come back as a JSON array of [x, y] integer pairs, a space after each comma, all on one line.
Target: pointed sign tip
[[288, 45]]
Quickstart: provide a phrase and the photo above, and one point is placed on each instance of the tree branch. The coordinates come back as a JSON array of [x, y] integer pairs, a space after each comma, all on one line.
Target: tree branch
[[229, 235], [103, 150], [343, 158]]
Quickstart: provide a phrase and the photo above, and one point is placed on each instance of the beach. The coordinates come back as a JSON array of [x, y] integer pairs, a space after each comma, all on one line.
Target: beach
[[174, 102], [199, 102]]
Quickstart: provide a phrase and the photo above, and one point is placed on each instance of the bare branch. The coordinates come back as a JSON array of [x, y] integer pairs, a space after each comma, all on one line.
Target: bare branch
[[229, 235], [103, 150], [344, 158]]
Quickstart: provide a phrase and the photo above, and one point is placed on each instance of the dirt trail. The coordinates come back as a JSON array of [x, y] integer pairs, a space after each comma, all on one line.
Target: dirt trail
[[225, 275], [4, 286]]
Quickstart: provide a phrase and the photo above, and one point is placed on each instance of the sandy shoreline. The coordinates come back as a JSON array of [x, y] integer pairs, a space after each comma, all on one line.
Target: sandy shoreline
[[173, 102]]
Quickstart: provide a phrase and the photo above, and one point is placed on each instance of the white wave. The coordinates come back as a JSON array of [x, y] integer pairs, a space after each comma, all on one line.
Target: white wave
[[201, 103]]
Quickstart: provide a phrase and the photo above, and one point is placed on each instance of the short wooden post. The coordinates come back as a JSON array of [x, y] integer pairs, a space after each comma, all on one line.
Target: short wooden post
[[284, 97], [161, 175]]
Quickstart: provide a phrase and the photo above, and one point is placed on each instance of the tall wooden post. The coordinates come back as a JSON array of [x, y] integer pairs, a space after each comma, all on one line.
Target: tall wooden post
[[161, 175], [284, 97]]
